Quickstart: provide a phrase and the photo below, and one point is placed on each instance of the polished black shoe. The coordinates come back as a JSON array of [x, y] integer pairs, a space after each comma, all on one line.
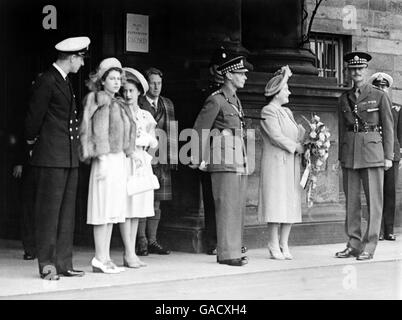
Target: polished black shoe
[[72, 273], [212, 252], [347, 253], [28, 256], [244, 249], [381, 237], [364, 256], [49, 276], [390, 237], [157, 248], [234, 262]]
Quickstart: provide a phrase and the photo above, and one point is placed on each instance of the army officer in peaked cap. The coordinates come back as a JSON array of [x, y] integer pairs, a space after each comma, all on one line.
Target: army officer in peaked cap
[[366, 150], [384, 81], [225, 157], [51, 129]]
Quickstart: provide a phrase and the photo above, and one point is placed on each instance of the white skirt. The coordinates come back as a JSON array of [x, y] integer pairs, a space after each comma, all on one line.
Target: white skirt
[[107, 189], [140, 205]]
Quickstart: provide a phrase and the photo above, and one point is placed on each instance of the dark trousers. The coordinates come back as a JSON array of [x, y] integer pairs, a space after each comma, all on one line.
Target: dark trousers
[[209, 209], [229, 192], [372, 179], [27, 209], [388, 213], [55, 201]]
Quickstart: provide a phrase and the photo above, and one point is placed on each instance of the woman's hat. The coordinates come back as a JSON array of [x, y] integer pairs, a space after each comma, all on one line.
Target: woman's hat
[[93, 83], [107, 64], [130, 73], [278, 81]]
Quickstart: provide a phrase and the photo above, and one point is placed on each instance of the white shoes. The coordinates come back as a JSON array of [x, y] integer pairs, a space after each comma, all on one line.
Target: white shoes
[[108, 267], [286, 253], [275, 253]]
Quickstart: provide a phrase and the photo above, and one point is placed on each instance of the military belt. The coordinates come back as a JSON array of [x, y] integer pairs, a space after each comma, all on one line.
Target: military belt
[[365, 128]]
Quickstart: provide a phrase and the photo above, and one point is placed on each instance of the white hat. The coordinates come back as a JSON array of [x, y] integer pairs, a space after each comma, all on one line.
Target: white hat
[[278, 81], [77, 45], [131, 73], [379, 77], [107, 64]]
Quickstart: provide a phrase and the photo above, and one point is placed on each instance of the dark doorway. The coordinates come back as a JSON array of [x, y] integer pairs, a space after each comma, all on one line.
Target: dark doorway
[[28, 51]]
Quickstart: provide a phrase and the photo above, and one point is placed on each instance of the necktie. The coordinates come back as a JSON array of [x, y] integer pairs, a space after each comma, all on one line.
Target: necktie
[[70, 86], [357, 93]]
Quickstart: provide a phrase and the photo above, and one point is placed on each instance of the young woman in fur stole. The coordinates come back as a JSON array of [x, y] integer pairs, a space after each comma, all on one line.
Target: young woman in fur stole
[[107, 136], [139, 205]]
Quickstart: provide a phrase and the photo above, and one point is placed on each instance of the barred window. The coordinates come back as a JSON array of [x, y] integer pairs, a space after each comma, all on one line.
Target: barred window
[[329, 50]]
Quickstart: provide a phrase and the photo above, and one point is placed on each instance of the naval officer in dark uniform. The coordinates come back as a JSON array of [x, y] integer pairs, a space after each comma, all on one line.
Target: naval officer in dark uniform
[[366, 150], [51, 129], [384, 81], [225, 158]]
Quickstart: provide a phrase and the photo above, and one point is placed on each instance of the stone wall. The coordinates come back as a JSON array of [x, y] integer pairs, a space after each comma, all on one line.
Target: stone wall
[[377, 30]]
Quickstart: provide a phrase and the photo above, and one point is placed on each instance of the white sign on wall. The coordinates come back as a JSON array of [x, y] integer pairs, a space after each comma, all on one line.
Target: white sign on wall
[[137, 33]]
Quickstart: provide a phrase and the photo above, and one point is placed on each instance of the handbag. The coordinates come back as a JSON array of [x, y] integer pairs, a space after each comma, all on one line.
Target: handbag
[[140, 184], [142, 180]]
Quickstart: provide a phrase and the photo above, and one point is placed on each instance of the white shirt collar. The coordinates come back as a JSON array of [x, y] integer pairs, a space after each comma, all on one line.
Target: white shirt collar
[[63, 74], [151, 101]]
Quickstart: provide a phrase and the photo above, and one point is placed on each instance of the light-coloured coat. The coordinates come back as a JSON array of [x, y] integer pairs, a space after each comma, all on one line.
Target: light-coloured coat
[[280, 191]]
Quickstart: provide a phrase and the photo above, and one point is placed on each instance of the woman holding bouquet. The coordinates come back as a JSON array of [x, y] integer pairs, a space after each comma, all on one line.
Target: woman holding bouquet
[[280, 191], [139, 205]]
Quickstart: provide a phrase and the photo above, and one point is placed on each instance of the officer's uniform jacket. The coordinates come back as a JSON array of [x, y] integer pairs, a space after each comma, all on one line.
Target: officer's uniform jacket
[[52, 121], [367, 148], [221, 113]]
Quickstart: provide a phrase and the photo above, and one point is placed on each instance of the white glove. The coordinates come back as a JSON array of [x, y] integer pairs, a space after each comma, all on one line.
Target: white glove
[[388, 164]]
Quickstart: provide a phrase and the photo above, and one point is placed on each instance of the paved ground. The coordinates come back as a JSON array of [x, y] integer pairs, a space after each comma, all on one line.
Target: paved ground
[[367, 281], [313, 274]]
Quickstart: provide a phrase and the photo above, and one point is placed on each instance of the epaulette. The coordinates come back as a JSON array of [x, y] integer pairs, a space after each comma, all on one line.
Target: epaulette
[[216, 92]]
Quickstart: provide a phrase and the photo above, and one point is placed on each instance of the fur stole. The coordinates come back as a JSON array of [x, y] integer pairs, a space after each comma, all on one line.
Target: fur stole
[[106, 126]]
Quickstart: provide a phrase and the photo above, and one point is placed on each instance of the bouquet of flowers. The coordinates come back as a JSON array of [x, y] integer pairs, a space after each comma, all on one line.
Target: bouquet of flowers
[[316, 148]]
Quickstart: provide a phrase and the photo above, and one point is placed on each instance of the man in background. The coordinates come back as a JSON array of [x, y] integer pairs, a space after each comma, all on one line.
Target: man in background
[[384, 82], [162, 109]]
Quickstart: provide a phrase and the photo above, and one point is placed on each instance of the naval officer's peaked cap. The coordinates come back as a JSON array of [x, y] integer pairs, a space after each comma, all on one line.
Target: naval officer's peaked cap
[[76, 45], [381, 79]]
